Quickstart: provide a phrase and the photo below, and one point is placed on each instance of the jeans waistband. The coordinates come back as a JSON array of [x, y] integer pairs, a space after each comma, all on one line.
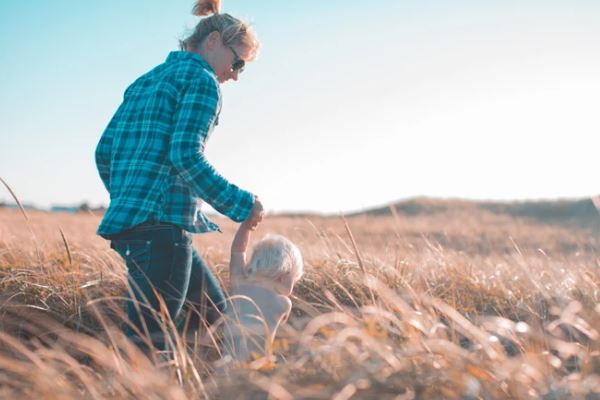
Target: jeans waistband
[[149, 227], [155, 223]]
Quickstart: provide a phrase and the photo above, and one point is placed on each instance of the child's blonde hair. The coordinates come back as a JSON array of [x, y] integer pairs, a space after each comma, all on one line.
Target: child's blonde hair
[[275, 256]]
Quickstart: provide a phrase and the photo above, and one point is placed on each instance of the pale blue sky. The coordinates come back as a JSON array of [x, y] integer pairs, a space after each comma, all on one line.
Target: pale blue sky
[[351, 104]]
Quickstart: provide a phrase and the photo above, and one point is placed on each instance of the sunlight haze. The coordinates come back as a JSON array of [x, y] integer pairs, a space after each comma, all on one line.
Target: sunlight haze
[[349, 105]]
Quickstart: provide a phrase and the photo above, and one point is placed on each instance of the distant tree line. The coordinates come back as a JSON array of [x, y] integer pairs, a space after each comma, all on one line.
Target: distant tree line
[[83, 207]]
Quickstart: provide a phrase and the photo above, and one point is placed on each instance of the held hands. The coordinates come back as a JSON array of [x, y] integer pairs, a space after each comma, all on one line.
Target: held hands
[[256, 215]]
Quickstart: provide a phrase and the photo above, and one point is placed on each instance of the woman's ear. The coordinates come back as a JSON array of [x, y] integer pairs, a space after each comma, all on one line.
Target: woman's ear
[[212, 40]]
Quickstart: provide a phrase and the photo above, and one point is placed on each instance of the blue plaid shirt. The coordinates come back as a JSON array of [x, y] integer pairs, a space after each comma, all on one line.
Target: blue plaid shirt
[[151, 155]]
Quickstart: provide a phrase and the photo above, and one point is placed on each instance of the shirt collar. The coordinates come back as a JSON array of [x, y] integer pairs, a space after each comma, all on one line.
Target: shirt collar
[[188, 55]]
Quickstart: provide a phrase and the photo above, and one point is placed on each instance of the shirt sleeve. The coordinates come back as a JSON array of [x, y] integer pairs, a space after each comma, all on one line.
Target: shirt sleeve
[[103, 158], [195, 114]]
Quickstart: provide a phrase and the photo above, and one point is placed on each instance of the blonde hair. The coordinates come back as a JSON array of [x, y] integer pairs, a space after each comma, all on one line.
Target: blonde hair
[[232, 30], [275, 256]]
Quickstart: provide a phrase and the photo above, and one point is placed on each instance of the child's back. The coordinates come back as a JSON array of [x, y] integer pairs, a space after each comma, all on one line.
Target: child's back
[[260, 292], [253, 316]]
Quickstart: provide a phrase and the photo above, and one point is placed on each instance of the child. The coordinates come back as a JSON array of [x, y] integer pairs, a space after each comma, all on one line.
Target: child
[[260, 291]]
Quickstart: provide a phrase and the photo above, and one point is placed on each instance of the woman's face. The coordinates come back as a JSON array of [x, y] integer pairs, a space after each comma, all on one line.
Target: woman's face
[[225, 60]]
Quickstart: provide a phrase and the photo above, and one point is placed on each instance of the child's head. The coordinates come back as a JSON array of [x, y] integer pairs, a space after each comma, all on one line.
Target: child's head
[[277, 259]]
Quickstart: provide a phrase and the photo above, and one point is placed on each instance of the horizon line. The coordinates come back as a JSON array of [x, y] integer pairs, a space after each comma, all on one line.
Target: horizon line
[[83, 205]]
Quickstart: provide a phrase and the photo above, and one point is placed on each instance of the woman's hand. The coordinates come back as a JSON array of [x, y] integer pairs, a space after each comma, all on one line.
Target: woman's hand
[[256, 215]]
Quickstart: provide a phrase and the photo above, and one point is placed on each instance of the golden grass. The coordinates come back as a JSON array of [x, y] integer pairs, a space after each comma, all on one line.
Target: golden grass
[[460, 304]]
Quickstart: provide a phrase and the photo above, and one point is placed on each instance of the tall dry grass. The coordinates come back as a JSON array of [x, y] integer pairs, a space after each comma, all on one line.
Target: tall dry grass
[[461, 304]]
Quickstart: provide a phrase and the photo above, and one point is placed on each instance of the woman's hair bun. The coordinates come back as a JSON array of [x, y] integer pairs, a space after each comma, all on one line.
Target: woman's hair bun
[[206, 7]]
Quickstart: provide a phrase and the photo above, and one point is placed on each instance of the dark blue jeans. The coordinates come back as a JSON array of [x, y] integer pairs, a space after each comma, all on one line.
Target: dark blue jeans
[[161, 261]]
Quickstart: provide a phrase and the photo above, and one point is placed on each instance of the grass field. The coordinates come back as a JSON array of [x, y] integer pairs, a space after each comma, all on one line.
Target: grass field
[[459, 304]]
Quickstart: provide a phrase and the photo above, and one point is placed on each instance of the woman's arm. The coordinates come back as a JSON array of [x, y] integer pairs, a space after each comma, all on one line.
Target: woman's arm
[[103, 156], [195, 115]]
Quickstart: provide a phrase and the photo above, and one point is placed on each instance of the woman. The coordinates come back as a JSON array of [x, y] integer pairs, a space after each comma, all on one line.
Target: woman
[[150, 158]]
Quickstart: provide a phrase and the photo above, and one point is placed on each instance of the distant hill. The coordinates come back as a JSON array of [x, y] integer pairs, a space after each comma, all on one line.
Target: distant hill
[[572, 212], [580, 212]]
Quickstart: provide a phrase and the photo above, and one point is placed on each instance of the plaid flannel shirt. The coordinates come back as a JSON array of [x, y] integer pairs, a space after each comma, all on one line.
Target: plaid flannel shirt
[[151, 155]]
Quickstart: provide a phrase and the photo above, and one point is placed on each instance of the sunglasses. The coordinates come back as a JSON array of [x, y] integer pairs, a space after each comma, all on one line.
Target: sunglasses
[[238, 62]]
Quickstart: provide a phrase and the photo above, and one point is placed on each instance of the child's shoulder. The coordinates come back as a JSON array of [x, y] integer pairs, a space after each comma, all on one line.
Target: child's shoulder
[[263, 296], [284, 303]]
